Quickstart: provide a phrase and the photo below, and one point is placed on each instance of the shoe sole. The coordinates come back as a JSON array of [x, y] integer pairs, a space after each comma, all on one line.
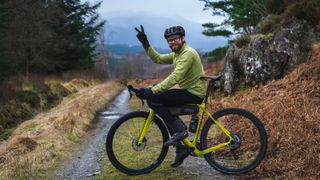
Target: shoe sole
[[189, 151]]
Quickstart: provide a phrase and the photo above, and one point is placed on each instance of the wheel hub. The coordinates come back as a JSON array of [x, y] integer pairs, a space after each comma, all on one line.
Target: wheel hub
[[235, 143], [138, 147]]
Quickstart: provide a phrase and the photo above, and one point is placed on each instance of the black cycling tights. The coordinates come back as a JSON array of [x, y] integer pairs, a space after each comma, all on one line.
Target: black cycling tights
[[172, 97]]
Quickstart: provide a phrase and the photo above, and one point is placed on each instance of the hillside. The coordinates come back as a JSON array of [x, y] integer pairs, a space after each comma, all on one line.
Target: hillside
[[290, 110], [124, 49]]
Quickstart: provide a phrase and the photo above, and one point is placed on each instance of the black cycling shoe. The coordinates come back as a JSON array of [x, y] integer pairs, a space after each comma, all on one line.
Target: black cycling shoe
[[181, 153], [176, 137]]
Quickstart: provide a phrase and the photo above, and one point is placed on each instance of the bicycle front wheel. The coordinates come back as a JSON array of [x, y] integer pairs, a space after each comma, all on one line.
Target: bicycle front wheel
[[249, 143], [123, 150]]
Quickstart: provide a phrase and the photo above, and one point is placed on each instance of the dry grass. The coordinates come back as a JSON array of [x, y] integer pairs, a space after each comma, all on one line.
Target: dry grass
[[38, 145], [290, 110], [22, 98]]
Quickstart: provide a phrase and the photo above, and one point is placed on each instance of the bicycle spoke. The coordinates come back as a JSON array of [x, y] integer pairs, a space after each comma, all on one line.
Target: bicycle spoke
[[124, 151]]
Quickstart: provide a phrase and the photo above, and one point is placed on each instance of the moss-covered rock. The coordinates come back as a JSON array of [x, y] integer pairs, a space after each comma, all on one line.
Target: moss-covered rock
[[268, 56]]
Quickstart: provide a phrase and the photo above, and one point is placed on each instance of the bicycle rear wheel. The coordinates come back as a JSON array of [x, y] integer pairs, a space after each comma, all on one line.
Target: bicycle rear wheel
[[245, 152], [124, 152]]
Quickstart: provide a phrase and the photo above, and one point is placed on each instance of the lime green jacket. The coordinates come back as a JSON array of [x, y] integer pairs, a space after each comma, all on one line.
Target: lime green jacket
[[187, 70]]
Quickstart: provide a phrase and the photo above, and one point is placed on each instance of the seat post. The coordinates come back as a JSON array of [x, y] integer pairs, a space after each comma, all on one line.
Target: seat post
[[208, 91], [212, 79]]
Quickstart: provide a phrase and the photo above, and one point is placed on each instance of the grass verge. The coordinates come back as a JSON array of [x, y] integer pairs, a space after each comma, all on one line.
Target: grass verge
[[37, 146]]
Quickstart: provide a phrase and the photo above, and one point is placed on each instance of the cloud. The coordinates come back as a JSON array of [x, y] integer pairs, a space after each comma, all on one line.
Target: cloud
[[188, 9]]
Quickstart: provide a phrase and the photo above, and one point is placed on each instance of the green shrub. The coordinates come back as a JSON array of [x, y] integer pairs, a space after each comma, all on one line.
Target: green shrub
[[275, 6], [242, 41], [270, 23], [304, 9], [217, 54]]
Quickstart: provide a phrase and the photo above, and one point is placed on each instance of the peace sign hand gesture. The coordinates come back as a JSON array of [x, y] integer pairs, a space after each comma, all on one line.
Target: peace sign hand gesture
[[142, 37]]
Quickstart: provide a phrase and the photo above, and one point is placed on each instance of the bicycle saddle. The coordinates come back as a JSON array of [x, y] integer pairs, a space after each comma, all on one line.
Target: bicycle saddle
[[212, 78]]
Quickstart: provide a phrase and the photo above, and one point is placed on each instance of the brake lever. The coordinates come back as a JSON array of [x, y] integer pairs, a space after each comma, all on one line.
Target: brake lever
[[130, 89]]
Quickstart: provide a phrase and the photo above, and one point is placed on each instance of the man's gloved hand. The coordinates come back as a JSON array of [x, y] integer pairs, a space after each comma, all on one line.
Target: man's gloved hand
[[142, 37], [144, 93]]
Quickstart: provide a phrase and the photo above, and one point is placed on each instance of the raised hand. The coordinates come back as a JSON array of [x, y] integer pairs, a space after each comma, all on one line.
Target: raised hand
[[142, 37], [140, 31]]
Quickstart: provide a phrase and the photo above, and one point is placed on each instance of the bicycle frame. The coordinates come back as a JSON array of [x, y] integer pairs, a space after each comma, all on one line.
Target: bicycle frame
[[186, 141]]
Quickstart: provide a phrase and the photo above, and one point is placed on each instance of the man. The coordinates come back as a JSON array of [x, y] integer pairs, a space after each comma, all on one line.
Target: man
[[187, 71]]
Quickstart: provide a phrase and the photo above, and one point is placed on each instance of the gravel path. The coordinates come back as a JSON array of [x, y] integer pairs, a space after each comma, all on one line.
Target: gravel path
[[89, 159], [86, 163], [199, 168]]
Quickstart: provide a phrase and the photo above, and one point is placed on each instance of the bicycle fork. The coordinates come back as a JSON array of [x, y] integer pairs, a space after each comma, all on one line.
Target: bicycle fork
[[145, 126]]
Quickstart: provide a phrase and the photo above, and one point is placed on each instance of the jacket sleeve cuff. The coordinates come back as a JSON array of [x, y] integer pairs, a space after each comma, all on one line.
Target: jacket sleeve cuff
[[154, 91]]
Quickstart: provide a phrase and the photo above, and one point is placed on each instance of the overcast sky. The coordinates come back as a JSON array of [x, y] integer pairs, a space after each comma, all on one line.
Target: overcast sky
[[191, 10]]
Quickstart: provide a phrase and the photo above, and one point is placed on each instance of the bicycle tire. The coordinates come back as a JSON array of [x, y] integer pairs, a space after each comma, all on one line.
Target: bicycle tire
[[126, 155], [244, 154]]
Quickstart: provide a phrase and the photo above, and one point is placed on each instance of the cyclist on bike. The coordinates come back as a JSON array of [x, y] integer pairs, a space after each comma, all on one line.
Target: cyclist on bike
[[187, 71]]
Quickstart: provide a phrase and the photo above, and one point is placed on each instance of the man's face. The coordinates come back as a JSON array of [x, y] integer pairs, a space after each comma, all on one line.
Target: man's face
[[175, 42]]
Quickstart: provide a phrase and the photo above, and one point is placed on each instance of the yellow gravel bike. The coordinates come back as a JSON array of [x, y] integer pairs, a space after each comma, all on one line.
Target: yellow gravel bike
[[232, 140]]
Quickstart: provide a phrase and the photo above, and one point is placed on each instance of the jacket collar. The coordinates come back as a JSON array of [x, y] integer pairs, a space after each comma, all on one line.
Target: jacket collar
[[182, 48]]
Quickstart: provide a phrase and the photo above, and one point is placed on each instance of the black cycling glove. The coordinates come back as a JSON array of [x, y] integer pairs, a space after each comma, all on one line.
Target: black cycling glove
[[144, 93], [142, 37]]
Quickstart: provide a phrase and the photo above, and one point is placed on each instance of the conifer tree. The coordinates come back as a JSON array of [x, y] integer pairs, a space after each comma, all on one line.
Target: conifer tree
[[241, 16], [4, 60], [77, 35]]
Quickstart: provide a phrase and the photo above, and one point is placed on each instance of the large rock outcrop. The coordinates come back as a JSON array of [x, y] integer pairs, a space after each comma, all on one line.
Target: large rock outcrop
[[269, 56]]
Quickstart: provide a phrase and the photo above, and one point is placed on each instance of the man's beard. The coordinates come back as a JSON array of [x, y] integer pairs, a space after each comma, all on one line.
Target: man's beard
[[177, 48]]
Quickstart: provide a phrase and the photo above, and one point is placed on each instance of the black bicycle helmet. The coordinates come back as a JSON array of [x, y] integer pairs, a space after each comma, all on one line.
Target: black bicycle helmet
[[174, 30]]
